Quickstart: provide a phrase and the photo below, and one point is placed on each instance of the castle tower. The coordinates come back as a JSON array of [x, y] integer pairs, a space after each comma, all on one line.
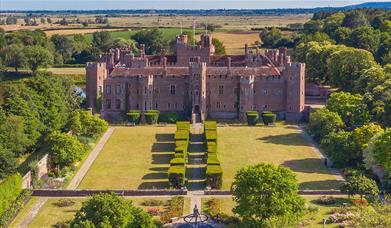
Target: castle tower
[[294, 75], [96, 73], [197, 90]]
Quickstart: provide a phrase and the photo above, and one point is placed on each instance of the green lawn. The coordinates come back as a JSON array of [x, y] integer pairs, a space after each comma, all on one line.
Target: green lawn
[[51, 213], [133, 158], [240, 146], [313, 220]]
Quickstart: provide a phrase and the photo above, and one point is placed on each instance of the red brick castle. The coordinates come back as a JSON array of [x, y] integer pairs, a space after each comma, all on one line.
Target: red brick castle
[[196, 81]]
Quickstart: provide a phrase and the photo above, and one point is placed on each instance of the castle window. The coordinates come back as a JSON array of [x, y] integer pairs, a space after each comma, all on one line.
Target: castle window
[[118, 89], [221, 90], [117, 103], [236, 91], [172, 89], [265, 91], [108, 104], [279, 93], [145, 90], [265, 107], [169, 105], [218, 105], [157, 90], [108, 89], [156, 106], [176, 106]]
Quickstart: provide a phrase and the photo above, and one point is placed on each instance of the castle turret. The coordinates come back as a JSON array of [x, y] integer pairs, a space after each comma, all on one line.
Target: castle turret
[[197, 93], [96, 73], [294, 74]]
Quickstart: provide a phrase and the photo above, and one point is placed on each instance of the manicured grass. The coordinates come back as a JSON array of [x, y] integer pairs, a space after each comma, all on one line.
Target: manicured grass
[[240, 146], [23, 212], [51, 214], [313, 220], [68, 70], [133, 158]]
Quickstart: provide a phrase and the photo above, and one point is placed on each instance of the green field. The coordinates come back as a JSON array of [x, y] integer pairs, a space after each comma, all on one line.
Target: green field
[[313, 220], [133, 158], [240, 146]]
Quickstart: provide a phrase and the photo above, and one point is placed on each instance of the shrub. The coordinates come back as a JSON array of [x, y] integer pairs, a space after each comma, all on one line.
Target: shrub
[[183, 125], [213, 160], [181, 135], [64, 203], [212, 147], [176, 176], [214, 176], [10, 188], [211, 135], [210, 125], [174, 209], [214, 207], [152, 202], [134, 116], [177, 161], [153, 211], [151, 116], [9, 214], [170, 117], [326, 200], [252, 117], [268, 118]]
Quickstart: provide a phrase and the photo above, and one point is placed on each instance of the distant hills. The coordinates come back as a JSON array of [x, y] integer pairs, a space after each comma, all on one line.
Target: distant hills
[[216, 12]]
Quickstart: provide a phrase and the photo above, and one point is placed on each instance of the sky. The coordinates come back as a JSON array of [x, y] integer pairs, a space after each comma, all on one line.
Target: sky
[[169, 4]]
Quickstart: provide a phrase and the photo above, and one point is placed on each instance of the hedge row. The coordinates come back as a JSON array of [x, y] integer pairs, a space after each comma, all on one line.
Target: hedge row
[[8, 215], [253, 117], [171, 117], [214, 172], [176, 172], [151, 116], [10, 188]]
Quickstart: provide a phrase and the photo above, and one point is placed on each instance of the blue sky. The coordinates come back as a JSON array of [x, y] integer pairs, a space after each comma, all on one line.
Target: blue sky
[[169, 4]]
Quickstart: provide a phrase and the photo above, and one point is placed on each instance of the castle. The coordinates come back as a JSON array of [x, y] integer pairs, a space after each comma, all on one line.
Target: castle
[[195, 81]]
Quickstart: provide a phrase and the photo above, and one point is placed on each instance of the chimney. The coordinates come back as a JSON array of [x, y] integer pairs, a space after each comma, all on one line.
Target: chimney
[[246, 49], [229, 62]]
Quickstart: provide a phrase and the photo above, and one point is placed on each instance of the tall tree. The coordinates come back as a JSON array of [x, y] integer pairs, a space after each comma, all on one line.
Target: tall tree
[[63, 46], [266, 195], [152, 39], [13, 56], [38, 57], [365, 37], [102, 40], [355, 19], [322, 122]]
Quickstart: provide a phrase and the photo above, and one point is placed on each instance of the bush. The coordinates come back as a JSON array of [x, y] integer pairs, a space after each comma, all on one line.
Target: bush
[[151, 116], [174, 209], [213, 160], [181, 135], [134, 116], [210, 125], [177, 161], [12, 210], [212, 147], [252, 118], [176, 176], [10, 188], [152, 203], [183, 125], [326, 200], [214, 207], [64, 203], [214, 176], [170, 117], [268, 118], [211, 135]]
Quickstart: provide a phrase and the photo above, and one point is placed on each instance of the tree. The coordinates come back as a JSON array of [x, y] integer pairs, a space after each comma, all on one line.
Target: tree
[[43, 21], [13, 56], [341, 35], [110, 210], [64, 149], [8, 163], [323, 122], [265, 195], [360, 185], [92, 125], [313, 26], [347, 65], [369, 79], [74, 124], [351, 107], [378, 152], [12, 135], [102, 40], [63, 46], [270, 37], [340, 148], [152, 39], [365, 37], [49, 20], [80, 43], [87, 55], [333, 22], [377, 215], [355, 19], [363, 134], [11, 20], [38, 57], [121, 43], [219, 46]]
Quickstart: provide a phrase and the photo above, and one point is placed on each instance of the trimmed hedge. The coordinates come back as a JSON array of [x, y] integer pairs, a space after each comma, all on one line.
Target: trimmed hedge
[[10, 188], [211, 147], [183, 125], [181, 135], [268, 118], [177, 161], [134, 116], [176, 176], [252, 118], [211, 135], [214, 176], [8, 215], [213, 160], [210, 125], [170, 117], [151, 116]]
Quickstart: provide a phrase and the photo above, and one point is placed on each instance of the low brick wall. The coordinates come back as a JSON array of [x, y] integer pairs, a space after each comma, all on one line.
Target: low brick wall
[[79, 193], [301, 192]]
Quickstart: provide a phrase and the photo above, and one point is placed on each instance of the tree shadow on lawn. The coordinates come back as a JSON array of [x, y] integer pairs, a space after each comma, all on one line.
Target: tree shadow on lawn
[[164, 137], [163, 147], [161, 159], [307, 165], [154, 185], [154, 176], [321, 185], [291, 139]]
